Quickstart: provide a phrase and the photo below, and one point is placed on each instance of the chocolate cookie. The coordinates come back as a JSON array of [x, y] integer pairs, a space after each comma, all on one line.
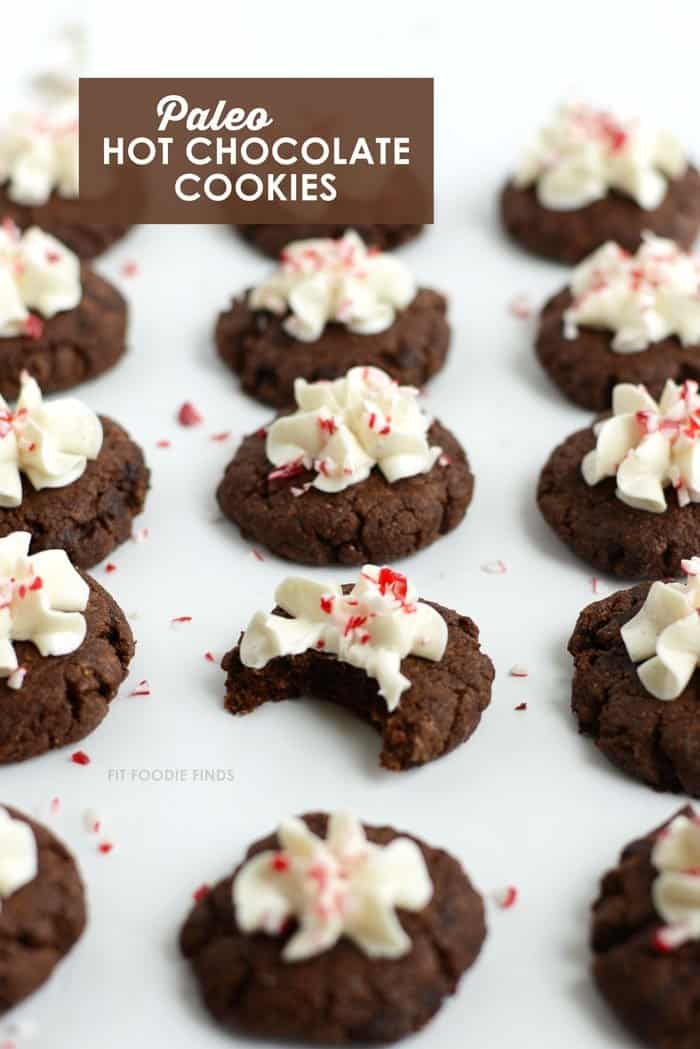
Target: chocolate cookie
[[440, 710], [604, 531], [272, 239], [655, 741], [70, 347], [569, 236], [653, 991], [255, 345], [370, 521], [586, 368], [61, 218], [42, 920], [64, 698], [341, 995], [91, 516]]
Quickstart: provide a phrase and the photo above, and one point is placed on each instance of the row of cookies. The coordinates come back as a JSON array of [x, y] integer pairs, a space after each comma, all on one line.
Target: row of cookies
[[319, 635]]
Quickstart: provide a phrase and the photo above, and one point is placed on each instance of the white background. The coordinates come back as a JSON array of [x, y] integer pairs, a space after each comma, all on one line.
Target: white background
[[526, 801]]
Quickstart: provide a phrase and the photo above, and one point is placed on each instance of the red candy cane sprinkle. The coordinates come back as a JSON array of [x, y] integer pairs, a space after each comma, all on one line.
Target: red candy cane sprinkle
[[222, 436], [201, 893], [105, 847], [33, 327], [521, 706], [181, 619], [129, 269], [506, 898], [257, 555], [209, 656], [188, 415], [79, 757], [110, 567], [279, 863], [163, 443]]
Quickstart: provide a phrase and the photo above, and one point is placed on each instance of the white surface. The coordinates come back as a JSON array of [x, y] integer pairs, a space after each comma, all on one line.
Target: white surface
[[526, 801]]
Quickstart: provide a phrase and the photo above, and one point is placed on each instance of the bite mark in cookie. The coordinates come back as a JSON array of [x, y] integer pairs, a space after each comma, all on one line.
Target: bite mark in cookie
[[411, 669]]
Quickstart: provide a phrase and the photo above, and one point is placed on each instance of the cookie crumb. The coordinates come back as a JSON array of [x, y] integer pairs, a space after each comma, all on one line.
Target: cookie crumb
[[518, 670], [494, 567], [521, 706], [140, 535], [521, 307]]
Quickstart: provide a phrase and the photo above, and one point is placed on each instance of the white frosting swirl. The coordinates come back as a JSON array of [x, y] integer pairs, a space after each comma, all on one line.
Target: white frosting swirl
[[343, 886], [374, 627], [39, 154], [342, 281], [19, 856], [585, 152], [665, 634], [41, 600], [50, 443], [343, 429], [676, 889], [37, 272], [642, 298], [648, 447]]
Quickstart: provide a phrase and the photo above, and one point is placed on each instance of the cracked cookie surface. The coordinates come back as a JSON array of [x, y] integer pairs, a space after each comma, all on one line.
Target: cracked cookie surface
[[64, 698], [254, 344], [91, 516], [271, 239], [571, 235], [655, 741], [654, 993], [586, 369], [439, 711], [372, 521], [73, 346], [40, 922], [340, 995], [602, 530]]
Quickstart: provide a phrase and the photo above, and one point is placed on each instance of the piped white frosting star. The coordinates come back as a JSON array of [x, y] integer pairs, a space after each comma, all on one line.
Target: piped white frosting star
[[586, 152], [42, 599], [343, 429], [50, 443], [676, 889], [37, 272], [642, 298], [374, 627], [649, 447], [664, 636], [18, 854], [343, 886], [342, 280], [39, 154]]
